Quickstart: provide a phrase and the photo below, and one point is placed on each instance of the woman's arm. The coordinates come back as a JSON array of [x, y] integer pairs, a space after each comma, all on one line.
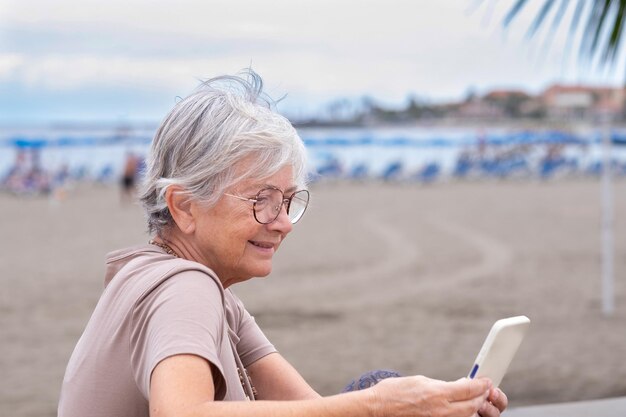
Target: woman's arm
[[182, 386], [275, 379]]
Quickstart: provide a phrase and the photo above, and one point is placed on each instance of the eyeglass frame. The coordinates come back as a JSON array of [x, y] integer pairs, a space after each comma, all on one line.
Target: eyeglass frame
[[283, 200]]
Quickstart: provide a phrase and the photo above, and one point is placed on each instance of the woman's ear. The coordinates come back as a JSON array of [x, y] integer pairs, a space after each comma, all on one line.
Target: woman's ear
[[179, 205]]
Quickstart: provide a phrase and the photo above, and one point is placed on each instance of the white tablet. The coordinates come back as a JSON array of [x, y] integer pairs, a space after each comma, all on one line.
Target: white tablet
[[499, 348]]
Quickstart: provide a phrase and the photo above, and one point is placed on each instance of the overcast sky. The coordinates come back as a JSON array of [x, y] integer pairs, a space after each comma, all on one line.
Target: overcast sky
[[127, 60]]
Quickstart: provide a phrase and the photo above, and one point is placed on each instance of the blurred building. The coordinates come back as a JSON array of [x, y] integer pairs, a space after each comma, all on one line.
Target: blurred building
[[478, 108], [557, 103], [583, 102]]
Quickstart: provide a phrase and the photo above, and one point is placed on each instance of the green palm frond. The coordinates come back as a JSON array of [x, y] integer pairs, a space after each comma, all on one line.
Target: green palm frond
[[601, 33]]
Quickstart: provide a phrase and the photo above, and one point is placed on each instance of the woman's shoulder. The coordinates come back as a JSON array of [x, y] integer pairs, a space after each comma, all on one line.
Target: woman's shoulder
[[146, 267]]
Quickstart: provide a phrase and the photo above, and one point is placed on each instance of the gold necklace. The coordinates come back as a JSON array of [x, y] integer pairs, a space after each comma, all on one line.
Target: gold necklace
[[164, 246], [243, 384]]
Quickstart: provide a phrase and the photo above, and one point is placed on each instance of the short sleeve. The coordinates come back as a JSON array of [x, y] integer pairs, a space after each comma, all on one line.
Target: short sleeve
[[252, 344], [183, 315]]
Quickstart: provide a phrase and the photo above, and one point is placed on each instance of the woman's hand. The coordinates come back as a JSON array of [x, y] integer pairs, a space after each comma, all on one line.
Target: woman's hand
[[495, 404], [421, 396]]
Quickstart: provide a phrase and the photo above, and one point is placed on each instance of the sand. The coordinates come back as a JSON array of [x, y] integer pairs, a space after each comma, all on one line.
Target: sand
[[403, 276]]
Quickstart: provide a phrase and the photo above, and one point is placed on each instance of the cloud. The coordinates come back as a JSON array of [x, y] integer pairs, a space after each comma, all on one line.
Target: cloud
[[319, 48], [313, 50], [10, 65], [60, 72]]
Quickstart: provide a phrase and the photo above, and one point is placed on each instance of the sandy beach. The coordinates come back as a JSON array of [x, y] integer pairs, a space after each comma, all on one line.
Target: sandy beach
[[400, 276]]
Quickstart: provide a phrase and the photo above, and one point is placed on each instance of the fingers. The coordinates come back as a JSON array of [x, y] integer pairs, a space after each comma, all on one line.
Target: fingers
[[419, 395], [469, 407], [468, 396], [488, 410], [496, 404], [464, 388], [498, 399]]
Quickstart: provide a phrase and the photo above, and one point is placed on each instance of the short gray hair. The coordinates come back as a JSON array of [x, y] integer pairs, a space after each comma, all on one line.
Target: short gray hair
[[224, 121]]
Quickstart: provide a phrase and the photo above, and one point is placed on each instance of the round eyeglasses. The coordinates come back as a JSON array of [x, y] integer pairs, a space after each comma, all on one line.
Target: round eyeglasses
[[268, 203]]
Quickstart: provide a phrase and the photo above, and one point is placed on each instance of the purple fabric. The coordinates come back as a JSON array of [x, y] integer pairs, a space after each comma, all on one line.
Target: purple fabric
[[370, 379]]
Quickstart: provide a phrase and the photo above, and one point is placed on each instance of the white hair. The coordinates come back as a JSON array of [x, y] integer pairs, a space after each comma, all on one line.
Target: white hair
[[197, 146]]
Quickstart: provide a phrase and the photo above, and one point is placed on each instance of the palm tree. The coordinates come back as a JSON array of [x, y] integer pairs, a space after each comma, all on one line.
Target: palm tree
[[600, 42], [601, 23]]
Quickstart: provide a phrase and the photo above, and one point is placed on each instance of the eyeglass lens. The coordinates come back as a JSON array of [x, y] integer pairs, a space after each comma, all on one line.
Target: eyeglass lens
[[269, 202]]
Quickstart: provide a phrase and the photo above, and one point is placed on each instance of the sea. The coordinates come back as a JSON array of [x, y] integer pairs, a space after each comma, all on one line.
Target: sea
[[361, 153]]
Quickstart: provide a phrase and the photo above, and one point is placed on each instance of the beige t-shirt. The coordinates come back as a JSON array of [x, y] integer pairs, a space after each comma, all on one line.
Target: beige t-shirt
[[154, 306]]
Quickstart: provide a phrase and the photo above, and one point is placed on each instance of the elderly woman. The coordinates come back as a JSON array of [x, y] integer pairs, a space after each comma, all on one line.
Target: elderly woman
[[225, 184]]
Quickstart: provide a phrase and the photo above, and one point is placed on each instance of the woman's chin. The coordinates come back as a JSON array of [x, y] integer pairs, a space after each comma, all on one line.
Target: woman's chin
[[264, 273], [256, 270]]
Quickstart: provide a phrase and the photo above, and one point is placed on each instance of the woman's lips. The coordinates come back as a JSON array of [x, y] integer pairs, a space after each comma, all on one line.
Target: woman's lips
[[266, 246]]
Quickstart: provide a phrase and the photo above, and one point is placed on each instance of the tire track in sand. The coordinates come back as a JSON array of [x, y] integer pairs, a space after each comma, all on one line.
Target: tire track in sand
[[393, 278], [495, 255], [390, 281], [400, 253]]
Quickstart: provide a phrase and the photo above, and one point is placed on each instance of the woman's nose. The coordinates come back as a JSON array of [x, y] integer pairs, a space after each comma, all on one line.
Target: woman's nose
[[282, 222]]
